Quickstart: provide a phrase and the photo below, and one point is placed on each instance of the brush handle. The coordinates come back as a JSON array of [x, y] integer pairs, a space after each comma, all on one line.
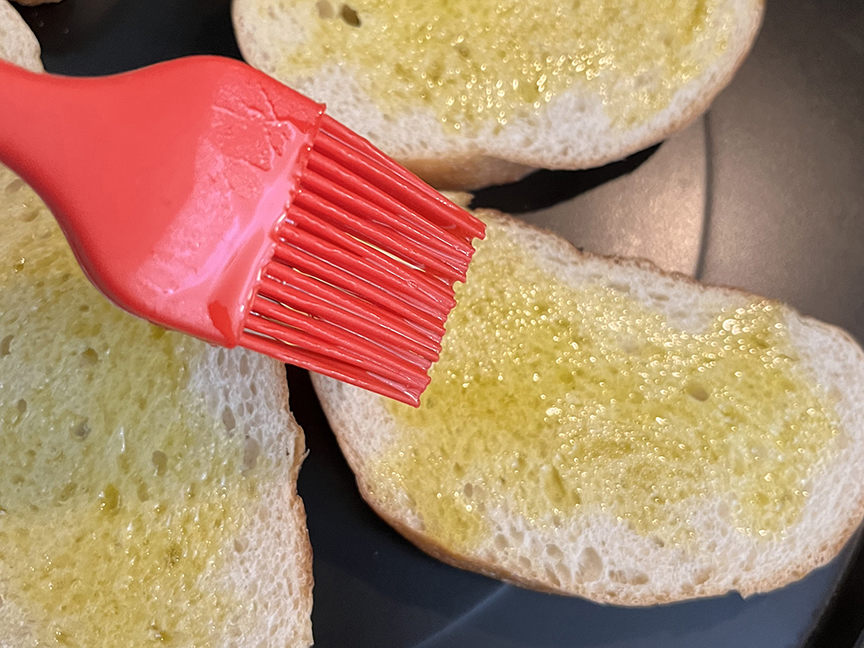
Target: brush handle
[[158, 176], [37, 114]]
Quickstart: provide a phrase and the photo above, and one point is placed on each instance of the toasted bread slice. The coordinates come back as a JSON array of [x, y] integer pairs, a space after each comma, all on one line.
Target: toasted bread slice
[[498, 89], [147, 480], [597, 427]]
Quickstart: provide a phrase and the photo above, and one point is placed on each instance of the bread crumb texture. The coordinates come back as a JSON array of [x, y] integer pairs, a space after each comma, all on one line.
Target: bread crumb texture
[[17, 43], [129, 497], [493, 61]]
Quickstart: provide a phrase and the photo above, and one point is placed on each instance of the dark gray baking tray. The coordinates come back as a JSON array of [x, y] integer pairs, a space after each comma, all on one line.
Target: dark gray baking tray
[[764, 192]]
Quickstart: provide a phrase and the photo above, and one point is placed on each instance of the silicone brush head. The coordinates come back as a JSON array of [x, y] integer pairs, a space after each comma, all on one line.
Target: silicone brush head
[[211, 199], [361, 279]]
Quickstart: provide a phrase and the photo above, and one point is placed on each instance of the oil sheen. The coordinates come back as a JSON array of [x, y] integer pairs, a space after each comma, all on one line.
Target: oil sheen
[[119, 495], [493, 60], [561, 401]]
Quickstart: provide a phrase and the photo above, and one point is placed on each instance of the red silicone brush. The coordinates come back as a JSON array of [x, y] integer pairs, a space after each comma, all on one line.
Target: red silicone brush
[[207, 197]]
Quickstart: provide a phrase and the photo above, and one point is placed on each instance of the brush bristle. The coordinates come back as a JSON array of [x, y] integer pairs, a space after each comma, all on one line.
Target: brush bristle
[[361, 280]]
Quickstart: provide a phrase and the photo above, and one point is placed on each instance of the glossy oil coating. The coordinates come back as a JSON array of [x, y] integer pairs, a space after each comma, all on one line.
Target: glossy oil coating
[[550, 398], [121, 495], [492, 60]]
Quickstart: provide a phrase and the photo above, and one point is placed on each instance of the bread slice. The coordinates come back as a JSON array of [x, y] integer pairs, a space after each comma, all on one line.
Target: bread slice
[[584, 125], [17, 43], [673, 482], [147, 480]]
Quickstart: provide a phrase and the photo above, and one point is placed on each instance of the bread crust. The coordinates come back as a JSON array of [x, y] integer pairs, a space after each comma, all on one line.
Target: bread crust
[[792, 571], [297, 515]]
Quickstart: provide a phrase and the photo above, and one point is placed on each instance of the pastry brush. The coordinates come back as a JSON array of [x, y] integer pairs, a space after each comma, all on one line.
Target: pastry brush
[[208, 198]]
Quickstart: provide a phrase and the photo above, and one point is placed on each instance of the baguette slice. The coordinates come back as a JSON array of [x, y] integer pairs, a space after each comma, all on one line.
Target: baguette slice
[[704, 545], [572, 131], [147, 480]]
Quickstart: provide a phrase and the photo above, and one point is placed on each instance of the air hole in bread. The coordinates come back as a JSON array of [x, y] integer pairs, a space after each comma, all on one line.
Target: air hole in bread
[[81, 430], [554, 551], [16, 185], [244, 365], [143, 492], [501, 542], [90, 356], [6, 345], [637, 578], [251, 452], [241, 545], [67, 491], [349, 15], [563, 572], [21, 405], [553, 577], [697, 391], [617, 576], [524, 562], [626, 577], [590, 565], [468, 489], [325, 9], [160, 461], [220, 357], [30, 216], [701, 576], [660, 297], [228, 419]]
